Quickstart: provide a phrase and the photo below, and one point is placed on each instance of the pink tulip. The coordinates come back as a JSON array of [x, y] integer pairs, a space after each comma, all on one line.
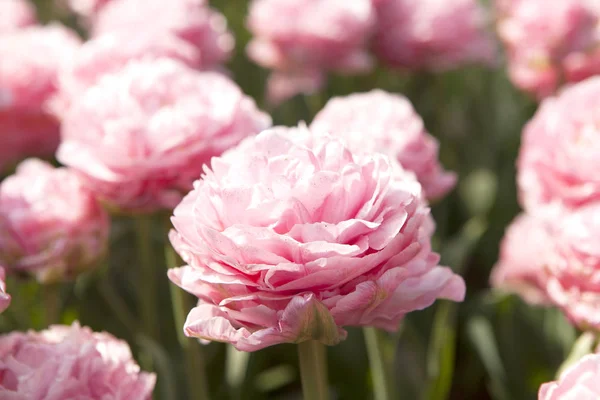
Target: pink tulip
[[190, 20], [521, 268], [432, 34], [550, 42], [70, 362], [140, 136], [290, 237], [558, 162], [301, 40], [50, 225], [380, 121], [581, 382], [109, 53], [16, 14], [573, 265], [29, 62]]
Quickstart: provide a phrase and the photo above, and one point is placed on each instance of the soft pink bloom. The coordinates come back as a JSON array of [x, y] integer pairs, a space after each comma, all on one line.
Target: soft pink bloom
[[579, 382], [29, 62], [558, 161], [140, 136], [190, 20], [573, 265], [550, 42], [384, 122], [26, 134], [290, 237], [70, 362], [31, 58], [301, 40], [16, 14], [109, 53], [521, 267], [432, 34], [50, 225], [4, 297]]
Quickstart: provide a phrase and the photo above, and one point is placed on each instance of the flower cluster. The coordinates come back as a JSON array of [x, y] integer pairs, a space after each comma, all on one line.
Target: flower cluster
[[550, 42], [560, 191], [302, 40]]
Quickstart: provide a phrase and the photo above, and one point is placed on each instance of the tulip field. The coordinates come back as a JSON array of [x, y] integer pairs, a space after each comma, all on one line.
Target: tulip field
[[299, 199]]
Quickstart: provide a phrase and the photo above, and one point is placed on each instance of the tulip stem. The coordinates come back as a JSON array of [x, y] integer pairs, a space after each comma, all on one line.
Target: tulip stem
[[192, 350], [313, 370], [52, 303], [147, 287], [377, 363]]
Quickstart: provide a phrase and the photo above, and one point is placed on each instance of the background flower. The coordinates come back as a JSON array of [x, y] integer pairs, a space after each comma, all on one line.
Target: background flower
[[380, 121], [432, 34], [50, 225], [141, 135], [70, 362], [31, 58], [291, 237], [558, 159], [190, 20], [550, 42], [521, 267], [574, 266], [301, 40], [111, 52]]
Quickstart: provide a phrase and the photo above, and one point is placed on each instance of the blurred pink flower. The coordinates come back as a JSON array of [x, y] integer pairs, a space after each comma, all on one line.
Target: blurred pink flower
[[579, 382], [109, 53], [573, 265], [290, 237], [15, 14], [384, 122], [50, 226], [558, 162], [301, 40], [4, 297], [521, 268], [140, 136], [26, 134], [432, 34], [190, 20], [31, 58], [70, 362], [550, 42]]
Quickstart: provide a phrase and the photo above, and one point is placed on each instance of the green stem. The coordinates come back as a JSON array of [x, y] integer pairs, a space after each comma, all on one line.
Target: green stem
[[147, 286], [237, 367], [377, 364], [583, 345], [192, 350], [51, 294], [313, 369]]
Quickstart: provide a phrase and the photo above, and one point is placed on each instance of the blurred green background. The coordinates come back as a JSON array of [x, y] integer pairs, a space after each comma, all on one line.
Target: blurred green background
[[492, 346]]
